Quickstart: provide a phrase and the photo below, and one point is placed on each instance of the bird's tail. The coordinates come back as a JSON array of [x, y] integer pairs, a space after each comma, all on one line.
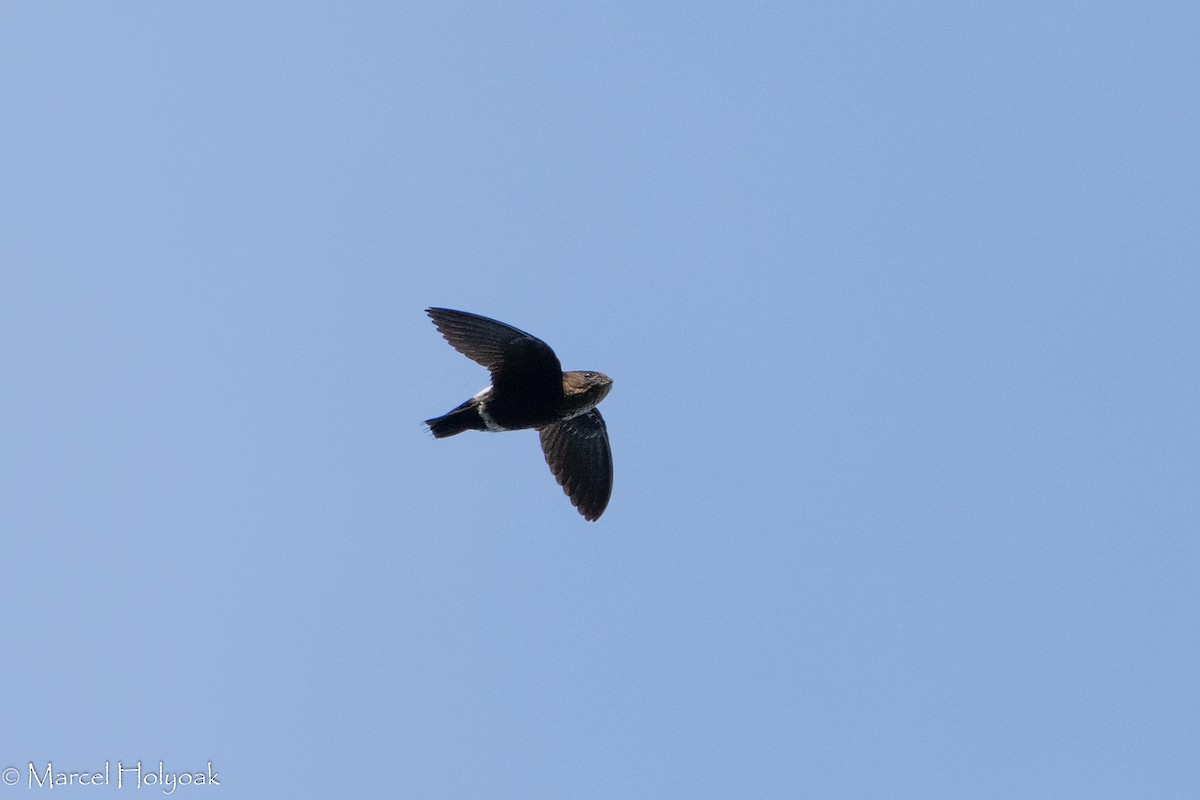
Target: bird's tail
[[464, 418]]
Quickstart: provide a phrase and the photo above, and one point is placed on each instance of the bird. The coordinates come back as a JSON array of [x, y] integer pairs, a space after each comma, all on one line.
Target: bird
[[529, 390]]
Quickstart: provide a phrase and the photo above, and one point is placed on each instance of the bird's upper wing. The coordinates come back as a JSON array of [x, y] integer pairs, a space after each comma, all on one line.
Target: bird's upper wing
[[522, 365], [578, 453], [484, 341]]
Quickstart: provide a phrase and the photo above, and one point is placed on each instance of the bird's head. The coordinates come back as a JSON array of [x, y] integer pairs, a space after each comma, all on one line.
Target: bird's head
[[586, 389]]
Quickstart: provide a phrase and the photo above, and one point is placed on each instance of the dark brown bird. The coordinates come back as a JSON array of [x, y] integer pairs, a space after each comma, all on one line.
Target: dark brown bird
[[530, 390]]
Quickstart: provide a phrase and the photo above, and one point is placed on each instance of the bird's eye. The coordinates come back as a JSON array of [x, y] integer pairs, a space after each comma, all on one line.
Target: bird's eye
[[589, 375]]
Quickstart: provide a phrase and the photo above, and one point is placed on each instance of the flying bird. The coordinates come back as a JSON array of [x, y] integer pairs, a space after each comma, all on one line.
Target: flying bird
[[530, 390]]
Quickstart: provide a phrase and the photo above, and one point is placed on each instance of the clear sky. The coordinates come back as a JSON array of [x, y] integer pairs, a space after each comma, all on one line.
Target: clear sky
[[902, 306]]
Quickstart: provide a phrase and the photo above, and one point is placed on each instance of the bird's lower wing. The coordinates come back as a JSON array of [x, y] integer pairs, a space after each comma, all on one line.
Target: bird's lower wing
[[579, 455]]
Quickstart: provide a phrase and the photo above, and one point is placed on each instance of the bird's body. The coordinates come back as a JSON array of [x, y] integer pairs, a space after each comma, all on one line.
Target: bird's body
[[529, 390]]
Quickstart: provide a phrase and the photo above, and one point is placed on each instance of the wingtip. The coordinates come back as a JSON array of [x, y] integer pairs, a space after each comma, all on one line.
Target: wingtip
[[589, 511]]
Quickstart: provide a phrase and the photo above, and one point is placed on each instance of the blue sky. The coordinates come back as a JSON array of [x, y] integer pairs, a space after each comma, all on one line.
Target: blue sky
[[901, 306]]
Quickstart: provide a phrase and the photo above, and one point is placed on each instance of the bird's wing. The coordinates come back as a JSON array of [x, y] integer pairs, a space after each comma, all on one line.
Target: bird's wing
[[522, 365], [578, 453]]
